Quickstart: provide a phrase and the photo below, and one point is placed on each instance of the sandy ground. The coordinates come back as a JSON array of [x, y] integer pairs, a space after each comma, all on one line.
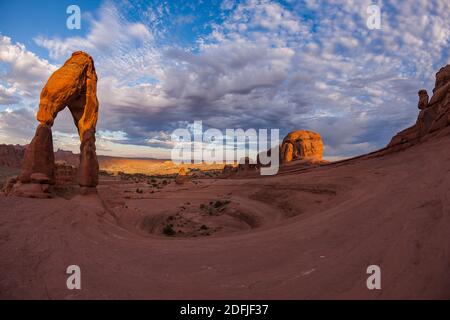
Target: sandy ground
[[303, 234]]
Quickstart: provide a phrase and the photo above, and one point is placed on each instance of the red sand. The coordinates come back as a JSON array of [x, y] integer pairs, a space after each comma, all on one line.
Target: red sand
[[303, 234]]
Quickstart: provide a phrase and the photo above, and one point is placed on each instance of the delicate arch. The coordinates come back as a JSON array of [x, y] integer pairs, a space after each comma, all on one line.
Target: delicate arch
[[74, 85]]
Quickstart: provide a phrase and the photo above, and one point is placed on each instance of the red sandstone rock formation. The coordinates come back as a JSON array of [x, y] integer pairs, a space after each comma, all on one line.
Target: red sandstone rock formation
[[88, 170], [301, 144], [68, 157], [11, 155], [31, 190], [9, 184], [65, 174], [423, 99], [247, 165], [182, 177], [39, 157], [228, 170], [74, 85], [434, 115]]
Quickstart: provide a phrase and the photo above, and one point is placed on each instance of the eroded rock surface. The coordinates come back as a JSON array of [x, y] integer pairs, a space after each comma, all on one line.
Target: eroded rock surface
[[301, 144], [39, 156], [65, 174], [74, 85], [11, 155], [434, 115]]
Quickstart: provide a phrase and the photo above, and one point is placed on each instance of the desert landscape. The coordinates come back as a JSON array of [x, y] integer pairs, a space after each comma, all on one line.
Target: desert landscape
[[308, 232], [144, 227]]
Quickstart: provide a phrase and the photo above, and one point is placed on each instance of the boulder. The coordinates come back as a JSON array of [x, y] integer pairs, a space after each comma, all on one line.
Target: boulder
[[31, 190], [40, 178], [9, 184], [300, 145]]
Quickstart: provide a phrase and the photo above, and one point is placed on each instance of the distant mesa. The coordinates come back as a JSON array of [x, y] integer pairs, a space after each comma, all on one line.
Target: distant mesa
[[67, 157], [11, 155], [74, 85], [301, 145], [434, 114]]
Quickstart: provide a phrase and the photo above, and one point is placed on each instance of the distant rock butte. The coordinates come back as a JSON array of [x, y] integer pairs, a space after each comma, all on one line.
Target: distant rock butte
[[301, 145], [74, 85], [68, 157], [434, 114]]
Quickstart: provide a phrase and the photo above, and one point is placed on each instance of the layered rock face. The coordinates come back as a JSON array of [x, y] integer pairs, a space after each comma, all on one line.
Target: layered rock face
[[434, 115], [68, 157], [39, 156], [301, 144], [11, 155], [65, 174], [88, 170], [74, 85]]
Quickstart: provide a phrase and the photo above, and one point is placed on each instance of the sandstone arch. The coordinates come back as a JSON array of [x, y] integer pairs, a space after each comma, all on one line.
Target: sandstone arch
[[74, 85]]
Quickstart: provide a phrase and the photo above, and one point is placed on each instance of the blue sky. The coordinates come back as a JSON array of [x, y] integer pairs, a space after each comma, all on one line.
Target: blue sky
[[23, 20], [307, 64]]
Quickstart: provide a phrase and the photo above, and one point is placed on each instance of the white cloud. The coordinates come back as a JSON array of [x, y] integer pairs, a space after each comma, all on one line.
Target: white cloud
[[7, 96], [110, 34], [25, 72], [17, 126]]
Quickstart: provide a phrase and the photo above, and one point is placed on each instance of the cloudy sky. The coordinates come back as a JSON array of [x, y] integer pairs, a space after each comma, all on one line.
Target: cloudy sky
[[304, 64]]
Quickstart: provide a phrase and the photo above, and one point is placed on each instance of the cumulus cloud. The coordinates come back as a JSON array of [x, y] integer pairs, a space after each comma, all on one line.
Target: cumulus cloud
[[110, 33], [17, 126], [7, 96], [25, 73]]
